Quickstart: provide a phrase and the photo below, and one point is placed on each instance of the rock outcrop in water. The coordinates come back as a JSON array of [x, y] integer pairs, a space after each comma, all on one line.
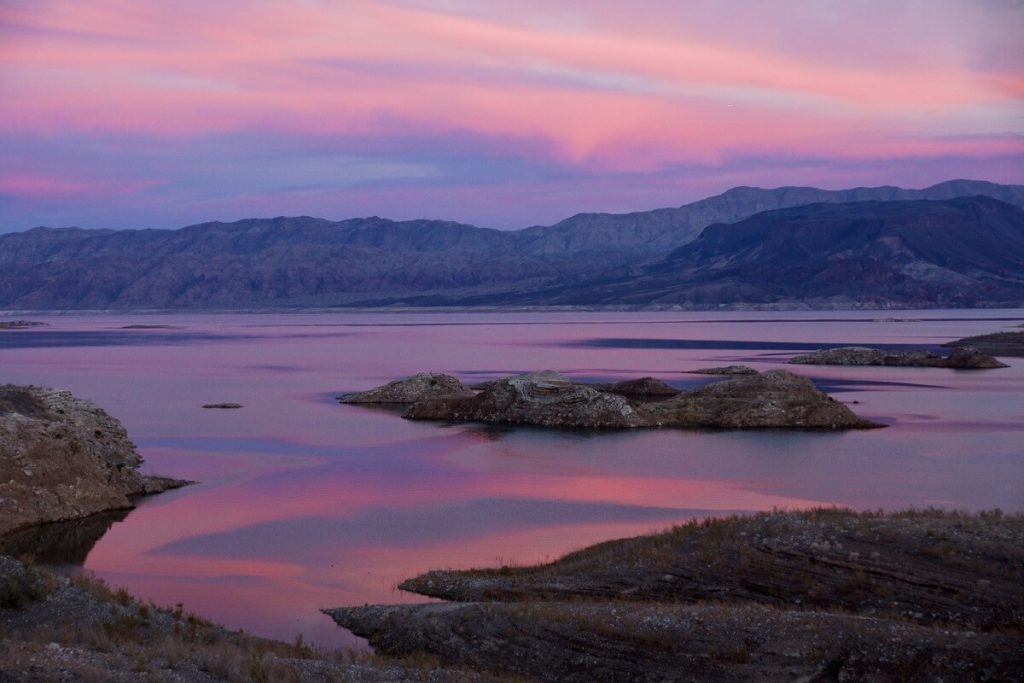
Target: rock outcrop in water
[[20, 324], [997, 344], [815, 595], [962, 358], [725, 370], [774, 399], [547, 399], [426, 386], [63, 458]]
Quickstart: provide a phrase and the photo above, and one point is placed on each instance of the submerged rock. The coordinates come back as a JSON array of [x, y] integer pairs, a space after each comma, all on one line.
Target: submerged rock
[[62, 458], [426, 386], [961, 359], [725, 370], [223, 406]]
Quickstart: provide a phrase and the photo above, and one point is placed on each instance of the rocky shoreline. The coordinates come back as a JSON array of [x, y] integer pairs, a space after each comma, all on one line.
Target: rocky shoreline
[[67, 472], [775, 399], [817, 595], [64, 458]]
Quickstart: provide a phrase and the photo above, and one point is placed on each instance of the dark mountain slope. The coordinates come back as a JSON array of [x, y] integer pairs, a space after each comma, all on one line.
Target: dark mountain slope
[[314, 262], [959, 252], [658, 231]]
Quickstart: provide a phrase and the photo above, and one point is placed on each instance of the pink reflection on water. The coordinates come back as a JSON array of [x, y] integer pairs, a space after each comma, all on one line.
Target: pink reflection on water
[[305, 503]]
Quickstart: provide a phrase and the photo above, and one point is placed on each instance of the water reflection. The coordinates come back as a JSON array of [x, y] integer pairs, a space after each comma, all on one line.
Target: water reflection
[[305, 503], [60, 543]]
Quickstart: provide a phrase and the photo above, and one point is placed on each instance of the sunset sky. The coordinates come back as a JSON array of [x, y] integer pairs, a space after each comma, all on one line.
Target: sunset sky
[[500, 113]]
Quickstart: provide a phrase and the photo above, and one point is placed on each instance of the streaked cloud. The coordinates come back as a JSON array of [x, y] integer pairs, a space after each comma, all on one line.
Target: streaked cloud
[[432, 107]]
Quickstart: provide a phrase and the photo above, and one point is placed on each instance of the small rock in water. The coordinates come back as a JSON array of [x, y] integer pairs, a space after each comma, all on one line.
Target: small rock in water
[[223, 406], [724, 370]]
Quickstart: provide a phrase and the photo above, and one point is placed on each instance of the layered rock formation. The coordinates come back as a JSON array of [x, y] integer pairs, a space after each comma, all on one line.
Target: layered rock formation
[[775, 399], [927, 566], [962, 358], [601, 641], [63, 458], [815, 595]]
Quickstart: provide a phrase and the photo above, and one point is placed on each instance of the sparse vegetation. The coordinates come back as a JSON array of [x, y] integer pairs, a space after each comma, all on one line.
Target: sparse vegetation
[[105, 633]]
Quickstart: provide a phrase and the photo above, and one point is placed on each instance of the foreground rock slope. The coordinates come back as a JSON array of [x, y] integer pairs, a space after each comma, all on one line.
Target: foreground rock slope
[[63, 458], [56, 629], [814, 595], [962, 358], [774, 399]]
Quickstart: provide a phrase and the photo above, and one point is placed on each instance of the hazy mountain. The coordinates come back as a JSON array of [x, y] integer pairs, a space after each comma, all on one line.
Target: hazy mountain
[[966, 251], [663, 229], [309, 261]]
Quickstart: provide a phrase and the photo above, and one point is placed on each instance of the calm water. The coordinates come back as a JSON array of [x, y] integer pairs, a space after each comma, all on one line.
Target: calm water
[[305, 503]]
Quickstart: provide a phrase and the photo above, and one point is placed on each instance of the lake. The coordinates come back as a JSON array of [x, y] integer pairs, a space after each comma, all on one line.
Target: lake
[[305, 503]]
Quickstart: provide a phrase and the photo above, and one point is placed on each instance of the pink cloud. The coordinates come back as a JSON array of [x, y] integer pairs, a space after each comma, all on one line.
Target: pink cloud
[[196, 69], [42, 186]]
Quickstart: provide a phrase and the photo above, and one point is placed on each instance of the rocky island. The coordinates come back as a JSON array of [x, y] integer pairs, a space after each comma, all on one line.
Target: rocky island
[[824, 594], [962, 358], [776, 399], [20, 324]]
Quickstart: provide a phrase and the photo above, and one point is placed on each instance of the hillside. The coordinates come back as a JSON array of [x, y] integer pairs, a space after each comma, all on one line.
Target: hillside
[[966, 251], [307, 261]]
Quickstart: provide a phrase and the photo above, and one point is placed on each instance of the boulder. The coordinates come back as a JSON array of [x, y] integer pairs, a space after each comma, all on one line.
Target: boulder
[[773, 399], [970, 358], [426, 386], [64, 458], [545, 399]]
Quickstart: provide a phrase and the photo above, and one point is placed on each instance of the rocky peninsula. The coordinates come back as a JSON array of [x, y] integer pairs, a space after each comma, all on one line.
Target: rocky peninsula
[[962, 358], [64, 458], [822, 594], [997, 344], [776, 399]]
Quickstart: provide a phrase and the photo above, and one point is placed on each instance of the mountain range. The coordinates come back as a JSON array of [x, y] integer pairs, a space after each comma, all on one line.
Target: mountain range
[[959, 243]]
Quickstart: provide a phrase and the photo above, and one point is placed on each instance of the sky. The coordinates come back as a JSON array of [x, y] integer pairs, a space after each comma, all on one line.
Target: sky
[[499, 113]]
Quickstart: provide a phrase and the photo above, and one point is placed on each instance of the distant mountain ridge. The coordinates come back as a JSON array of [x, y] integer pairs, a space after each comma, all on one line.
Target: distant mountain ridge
[[306, 261], [966, 251]]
